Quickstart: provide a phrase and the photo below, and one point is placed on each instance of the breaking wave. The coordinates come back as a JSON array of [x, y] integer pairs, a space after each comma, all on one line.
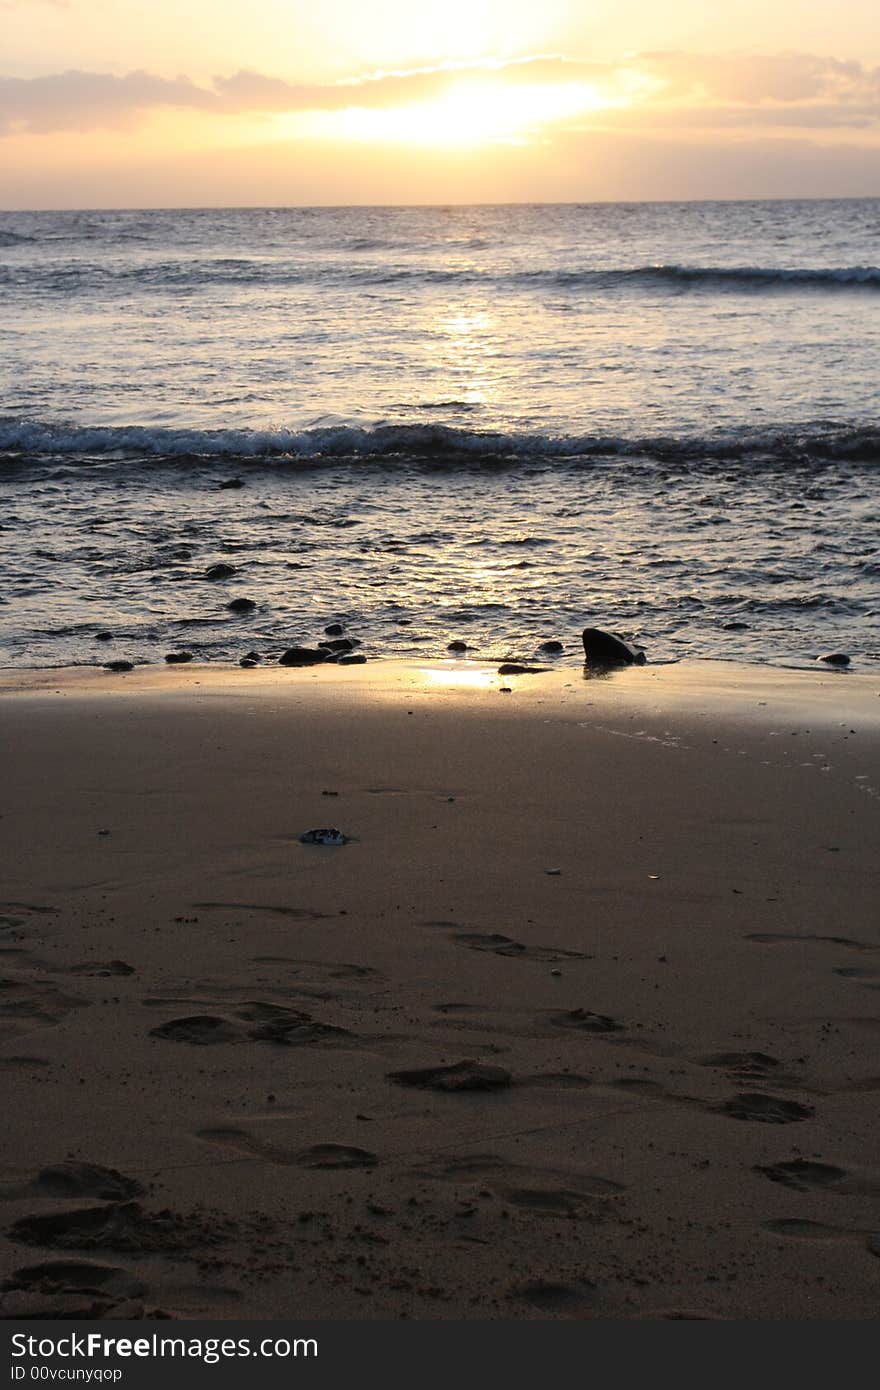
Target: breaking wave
[[192, 274], [431, 443]]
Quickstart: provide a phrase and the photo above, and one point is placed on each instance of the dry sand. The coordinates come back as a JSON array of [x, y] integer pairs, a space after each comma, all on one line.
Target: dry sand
[[641, 910]]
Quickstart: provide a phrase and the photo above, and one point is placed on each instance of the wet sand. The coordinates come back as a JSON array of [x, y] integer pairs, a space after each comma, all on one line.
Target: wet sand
[[582, 1021]]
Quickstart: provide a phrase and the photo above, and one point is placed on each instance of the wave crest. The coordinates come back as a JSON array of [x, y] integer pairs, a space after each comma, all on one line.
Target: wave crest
[[431, 442]]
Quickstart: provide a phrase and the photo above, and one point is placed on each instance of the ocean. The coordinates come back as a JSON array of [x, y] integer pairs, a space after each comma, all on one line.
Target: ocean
[[494, 425]]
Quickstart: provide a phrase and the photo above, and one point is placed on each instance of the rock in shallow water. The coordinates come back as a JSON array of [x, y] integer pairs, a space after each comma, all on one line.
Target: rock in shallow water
[[241, 605], [834, 659], [178, 658], [605, 649], [220, 571], [301, 656], [337, 644]]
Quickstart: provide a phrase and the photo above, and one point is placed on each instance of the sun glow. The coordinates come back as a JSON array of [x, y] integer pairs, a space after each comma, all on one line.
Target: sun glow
[[474, 111]]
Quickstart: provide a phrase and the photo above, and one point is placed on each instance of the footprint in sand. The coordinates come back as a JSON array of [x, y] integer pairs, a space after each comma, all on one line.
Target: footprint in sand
[[276, 1023], [319, 970], [505, 946], [795, 1228], [870, 979], [68, 1289], [765, 1109], [557, 1080], [463, 1076], [747, 1105], [116, 1226], [806, 1175], [266, 1023], [329, 1156], [303, 914], [802, 1175], [543, 1191], [750, 1066], [102, 969], [22, 1063], [25, 1003], [558, 1201], [199, 1030], [774, 938], [553, 1297], [583, 1021], [71, 1179]]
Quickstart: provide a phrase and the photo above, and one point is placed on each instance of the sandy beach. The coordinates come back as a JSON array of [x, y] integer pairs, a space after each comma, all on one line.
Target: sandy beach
[[581, 1022]]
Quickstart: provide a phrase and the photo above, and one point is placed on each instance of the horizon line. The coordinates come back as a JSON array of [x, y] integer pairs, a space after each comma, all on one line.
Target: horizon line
[[445, 204]]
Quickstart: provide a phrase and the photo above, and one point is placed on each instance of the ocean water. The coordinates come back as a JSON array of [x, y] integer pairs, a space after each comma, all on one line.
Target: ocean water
[[491, 424]]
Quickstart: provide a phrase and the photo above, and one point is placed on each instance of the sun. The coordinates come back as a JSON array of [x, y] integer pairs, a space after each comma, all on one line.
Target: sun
[[473, 111]]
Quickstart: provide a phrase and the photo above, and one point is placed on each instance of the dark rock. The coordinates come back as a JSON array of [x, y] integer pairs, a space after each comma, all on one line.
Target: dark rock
[[241, 605], [352, 659], [178, 658], [230, 483], [552, 647], [333, 630], [119, 666], [734, 627], [220, 571], [247, 663], [519, 668], [301, 656], [338, 644], [103, 636], [457, 646], [252, 656], [605, 649], [834, 659]]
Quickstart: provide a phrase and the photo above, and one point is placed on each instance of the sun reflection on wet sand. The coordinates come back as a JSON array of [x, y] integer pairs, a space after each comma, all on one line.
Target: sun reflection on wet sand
[[461, 674]]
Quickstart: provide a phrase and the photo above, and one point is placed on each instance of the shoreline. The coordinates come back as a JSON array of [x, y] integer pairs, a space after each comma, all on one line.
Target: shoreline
[[638, 908], [691, 691]]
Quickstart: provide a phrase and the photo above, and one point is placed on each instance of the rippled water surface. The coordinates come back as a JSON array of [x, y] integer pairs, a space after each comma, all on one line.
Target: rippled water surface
[[495, 425]]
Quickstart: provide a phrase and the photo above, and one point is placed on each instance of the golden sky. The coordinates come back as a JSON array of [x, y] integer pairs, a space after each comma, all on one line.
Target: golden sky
[[114, 103]]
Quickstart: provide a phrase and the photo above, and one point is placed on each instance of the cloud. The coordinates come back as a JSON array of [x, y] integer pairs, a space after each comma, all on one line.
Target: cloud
[[793, 90], [90, 100], [757, 78]]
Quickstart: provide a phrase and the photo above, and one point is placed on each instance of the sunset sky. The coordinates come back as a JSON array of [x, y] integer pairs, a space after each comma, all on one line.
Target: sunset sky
[[117, 103]]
